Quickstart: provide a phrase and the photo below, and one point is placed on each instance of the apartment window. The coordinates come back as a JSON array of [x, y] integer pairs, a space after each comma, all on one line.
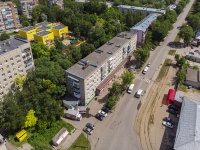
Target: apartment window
[[1, 93], [12, 64], [17, 56], [11, 59], [0, 64], [4, 80], [10, 77], [7, 66], [0, 88], [5, 61], [9, 71], [19, 61], [3, 74], [6, 84], [15, 74], [1, 69]]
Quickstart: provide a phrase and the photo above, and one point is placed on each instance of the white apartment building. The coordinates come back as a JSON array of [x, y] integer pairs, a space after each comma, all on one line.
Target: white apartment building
[[145, 10], [15, 58], [141, 27], [93, 73], [9, 18], [27, 6]]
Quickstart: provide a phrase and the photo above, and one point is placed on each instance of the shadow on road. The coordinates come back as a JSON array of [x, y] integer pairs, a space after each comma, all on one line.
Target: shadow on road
[[103, 99]]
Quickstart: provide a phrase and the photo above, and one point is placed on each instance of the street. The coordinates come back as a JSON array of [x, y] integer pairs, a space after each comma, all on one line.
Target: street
[[117, 130]]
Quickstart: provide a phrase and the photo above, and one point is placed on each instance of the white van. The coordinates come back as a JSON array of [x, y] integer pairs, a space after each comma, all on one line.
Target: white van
[[130, 89], [139, 93], [145, 70]]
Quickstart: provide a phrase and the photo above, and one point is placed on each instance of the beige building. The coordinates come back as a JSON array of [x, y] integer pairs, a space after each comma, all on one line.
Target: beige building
[[93, 73], [27, 6], [15, 58], [9, 18]]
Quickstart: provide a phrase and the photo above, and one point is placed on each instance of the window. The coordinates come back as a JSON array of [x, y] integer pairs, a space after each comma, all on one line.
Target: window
[[17, 56], [3, 74], [11, 59], [6, 84], [5, 61], [10, 77], [1, 69], [7, 66], [1, 93], [4, 80], [9, 71], [0, 64], [15, 74], [19, 61]]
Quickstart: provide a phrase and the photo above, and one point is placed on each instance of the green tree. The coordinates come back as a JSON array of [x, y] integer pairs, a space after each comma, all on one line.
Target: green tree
[[186, 33], [116, 89], [86, 49], [31, 120], [127, 78], [112, 101], [181, 76], [40, 50], [20, 80], [4, 36], [194, 21], [141, 55], [24, 21]]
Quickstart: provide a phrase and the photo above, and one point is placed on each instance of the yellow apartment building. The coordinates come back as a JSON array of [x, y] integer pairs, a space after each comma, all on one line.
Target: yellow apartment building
[[44, 36], [27, 33], [59, 30]]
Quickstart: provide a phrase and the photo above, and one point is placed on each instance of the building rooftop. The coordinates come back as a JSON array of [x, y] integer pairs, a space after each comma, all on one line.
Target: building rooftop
[[60, 26], [27, 28], [43, 23], [192, 75], [188, 131], [10, 44], [43, 33], [97, 58], [146, 22], [60, 135], [153, 10]]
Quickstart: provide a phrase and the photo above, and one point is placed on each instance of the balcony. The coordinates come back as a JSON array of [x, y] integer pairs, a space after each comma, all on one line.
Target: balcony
[[29, 66]]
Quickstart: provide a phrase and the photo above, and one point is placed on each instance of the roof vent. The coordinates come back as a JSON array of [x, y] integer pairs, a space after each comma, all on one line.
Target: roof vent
[[110, 43], [99, 51], [109, 53], [118, 45]]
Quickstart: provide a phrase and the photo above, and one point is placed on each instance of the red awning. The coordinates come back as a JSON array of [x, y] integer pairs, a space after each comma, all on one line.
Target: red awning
[[171, 95]]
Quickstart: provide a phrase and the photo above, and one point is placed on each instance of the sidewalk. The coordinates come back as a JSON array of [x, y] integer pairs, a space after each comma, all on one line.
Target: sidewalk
[[70, 140]]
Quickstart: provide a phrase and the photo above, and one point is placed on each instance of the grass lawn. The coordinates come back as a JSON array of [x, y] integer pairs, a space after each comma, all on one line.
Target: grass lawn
[[182, 87], [80, 143], [177, 39], [42, 141], [164, 69], [171, 52]]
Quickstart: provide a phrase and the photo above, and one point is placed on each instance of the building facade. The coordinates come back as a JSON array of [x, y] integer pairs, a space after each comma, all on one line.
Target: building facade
[[15, 58], [141, 27], [92, 74], [9, 18], [27, 6], [27, 33], [145, 10]]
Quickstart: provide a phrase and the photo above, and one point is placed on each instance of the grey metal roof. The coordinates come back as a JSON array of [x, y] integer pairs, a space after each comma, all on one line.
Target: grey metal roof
[[27, 28], [10, 44], [60, 26], [42, 33], [97, 59], [192, 75], [59, 134], [43, 23], [188, 131], [145, 23], [152, 10]]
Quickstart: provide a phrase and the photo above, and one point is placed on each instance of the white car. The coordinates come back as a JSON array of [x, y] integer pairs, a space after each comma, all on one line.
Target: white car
[[101, 112], [167, 124], [145, 70], [149, 64]]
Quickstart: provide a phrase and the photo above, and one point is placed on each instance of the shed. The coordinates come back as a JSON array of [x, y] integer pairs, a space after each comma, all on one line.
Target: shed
[[60, 137], [171, 95]]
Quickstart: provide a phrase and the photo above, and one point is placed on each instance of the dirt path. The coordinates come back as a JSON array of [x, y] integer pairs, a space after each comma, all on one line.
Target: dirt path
[[149, 118]]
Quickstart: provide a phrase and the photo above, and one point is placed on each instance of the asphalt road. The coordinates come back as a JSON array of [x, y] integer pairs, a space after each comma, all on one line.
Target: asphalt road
[[117, 132]]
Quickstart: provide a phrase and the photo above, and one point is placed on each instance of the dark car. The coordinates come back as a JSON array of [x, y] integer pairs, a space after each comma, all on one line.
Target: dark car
[[91, 126], [105, 109], [173, 107], [100, 117], [172, 111], [167, 119]]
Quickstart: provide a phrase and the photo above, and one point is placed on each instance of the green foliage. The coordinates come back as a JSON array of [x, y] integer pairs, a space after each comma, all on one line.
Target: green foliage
[[31, 120], [19, 80], [127, 78], [4, 36], [80, 143], [181, 76], [164, 69], [112, 101], [186, 33], [40, 50], [141, 55], [194, 21], [133, 17], [116, 89], [24, 20]]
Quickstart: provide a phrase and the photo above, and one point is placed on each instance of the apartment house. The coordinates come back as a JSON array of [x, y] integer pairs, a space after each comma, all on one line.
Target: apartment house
[[9, 18], [141, 27], [15, 58], [93, 73], [145, 10], [27, 6]]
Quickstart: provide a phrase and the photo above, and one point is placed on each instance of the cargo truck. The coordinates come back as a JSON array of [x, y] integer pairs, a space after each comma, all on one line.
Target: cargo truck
[[73, 114]]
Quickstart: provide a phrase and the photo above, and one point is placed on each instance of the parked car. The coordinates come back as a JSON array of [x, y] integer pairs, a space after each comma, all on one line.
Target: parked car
[[88, 130], [105, 109], [100, 117], [91, 126], [149, 64], [167, 119], [103, 113], [172, 111], [167, 124], [173, 107]]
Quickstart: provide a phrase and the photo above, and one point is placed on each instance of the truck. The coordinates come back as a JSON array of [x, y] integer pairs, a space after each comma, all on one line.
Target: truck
[[73, 114], [130, 89]]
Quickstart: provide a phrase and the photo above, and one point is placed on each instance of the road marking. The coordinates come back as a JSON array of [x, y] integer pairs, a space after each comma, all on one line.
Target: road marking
[[144, 79]]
